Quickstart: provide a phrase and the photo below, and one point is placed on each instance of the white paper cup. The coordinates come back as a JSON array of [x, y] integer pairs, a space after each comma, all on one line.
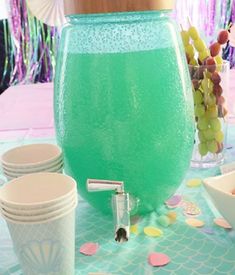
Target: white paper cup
[[31, 155], [25, 169], [41, 217], [10, 174], [45, 248], [35, 191], [40, 211]]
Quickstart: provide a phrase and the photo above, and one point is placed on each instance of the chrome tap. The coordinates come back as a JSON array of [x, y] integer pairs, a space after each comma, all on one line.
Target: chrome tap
[[120, 205]]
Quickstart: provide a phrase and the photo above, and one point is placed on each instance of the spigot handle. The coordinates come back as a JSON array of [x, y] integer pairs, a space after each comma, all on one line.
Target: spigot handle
[[120, 204], [94, 185]]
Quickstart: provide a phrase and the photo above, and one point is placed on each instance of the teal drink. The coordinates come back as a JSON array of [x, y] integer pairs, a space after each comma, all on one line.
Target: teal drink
[[124, 115]]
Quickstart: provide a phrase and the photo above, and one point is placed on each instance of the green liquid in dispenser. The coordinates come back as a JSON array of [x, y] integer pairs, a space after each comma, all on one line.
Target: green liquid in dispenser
[[124, 116]]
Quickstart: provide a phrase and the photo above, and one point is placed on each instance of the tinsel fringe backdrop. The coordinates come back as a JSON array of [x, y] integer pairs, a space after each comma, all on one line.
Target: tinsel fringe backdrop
[[31, 45]]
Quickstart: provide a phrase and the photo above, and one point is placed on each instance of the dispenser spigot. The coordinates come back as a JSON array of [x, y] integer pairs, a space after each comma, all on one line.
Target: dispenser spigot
[[120, 205]]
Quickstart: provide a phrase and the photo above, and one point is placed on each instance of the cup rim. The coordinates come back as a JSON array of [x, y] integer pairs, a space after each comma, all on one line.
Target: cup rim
[[44, 221], [42, 216], [30, 212], [49, 169], [24, 169], [29, 149], [10, 178], [22, 180]]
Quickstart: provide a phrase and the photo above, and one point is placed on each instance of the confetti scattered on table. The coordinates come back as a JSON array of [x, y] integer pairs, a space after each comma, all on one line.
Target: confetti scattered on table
[[174, 201], [163, 220], [194, 183], [229, 146], [152, 231], [222, 223], [208, 231], [134, 229], [191, 209], [158, 259], [89, 249], [172, 215], [194, 222]]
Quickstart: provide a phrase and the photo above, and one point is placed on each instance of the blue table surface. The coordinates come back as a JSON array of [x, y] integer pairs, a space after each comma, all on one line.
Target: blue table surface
[[191, 250]]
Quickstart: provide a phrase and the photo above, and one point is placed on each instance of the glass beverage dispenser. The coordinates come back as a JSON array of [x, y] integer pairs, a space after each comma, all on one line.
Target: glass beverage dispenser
[[123, 100]]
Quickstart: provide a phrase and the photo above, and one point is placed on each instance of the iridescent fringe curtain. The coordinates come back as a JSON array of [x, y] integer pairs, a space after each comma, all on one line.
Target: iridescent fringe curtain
[[31, 46]]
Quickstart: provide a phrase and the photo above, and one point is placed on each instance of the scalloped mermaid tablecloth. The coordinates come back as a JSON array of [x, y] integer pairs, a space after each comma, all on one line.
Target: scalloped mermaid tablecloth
[[192, 252]]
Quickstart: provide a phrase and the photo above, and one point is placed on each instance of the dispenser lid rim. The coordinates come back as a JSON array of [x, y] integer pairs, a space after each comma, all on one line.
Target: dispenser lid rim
[[72, 7]]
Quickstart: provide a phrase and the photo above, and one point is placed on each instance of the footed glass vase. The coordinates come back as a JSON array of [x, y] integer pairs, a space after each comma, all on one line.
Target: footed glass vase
[[210, 87]]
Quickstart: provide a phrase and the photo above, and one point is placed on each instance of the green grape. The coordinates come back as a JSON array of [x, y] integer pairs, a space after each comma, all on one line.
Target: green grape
[[203, 55], [190, 51], [212, 112], [202, 148], [197, 96], [201, 136], [193, 33], [199, 110], [215, 124], [202, 123], [199, 44], [209, 134], [218, 60], [219, 136], [193, 62], [185, 37], [205, 84], [211, 100], [212, 146], [210, 84]]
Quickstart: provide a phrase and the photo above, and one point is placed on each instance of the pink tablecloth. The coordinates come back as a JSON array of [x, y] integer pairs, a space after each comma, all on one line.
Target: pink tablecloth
[[27, 110]]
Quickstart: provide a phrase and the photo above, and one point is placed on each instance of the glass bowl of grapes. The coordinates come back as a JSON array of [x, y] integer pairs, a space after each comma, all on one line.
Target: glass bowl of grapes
[[210, 82]]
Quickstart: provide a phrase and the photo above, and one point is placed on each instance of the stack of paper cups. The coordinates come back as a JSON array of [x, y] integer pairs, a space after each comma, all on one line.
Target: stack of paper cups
[[40, 213], [33, 158]]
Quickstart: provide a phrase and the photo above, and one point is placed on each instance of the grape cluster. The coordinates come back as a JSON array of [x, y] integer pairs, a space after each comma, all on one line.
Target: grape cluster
[[207, 90]]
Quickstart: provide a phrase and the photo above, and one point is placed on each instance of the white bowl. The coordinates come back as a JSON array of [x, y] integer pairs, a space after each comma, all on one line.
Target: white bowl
[[54, 168], [41, 217], [26, 169], [220, 190], [31, 155], [37, 190], [40, 211]]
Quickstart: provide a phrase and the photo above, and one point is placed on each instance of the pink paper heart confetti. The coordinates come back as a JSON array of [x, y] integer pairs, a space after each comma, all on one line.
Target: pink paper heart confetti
[[222, 223], [158, 259], [174, 201], [89, 249], [207, 230]]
